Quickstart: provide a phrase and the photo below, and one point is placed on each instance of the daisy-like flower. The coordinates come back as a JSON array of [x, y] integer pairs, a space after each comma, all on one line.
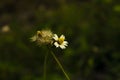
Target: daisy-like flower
[[43, 37], [60, 41]]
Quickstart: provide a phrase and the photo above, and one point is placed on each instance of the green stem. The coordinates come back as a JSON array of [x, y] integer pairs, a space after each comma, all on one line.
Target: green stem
[[45, 64], [60, 65]]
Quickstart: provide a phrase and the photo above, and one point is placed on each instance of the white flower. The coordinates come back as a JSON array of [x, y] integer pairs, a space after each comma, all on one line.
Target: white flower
[[60, 41]]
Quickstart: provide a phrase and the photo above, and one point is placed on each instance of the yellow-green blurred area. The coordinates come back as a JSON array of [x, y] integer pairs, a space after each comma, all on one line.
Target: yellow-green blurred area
[[92, 28]]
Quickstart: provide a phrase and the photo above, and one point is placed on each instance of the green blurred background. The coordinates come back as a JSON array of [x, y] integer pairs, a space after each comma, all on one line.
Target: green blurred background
[[92, 28]]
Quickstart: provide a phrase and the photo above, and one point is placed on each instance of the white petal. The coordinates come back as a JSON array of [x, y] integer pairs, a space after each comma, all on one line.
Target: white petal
[[56, 44], [65, 43], [55, 37], [62, 36], [62, 47]]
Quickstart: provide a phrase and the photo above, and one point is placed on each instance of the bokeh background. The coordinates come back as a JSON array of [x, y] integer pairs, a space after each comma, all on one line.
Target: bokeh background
[[92, 28]]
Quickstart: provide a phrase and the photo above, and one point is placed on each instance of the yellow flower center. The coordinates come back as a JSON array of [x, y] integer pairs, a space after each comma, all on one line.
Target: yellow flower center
[[60, 40]]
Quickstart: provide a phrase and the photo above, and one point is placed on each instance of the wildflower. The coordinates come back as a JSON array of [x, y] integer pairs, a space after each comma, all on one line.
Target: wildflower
[[60, 41], [43, 37]]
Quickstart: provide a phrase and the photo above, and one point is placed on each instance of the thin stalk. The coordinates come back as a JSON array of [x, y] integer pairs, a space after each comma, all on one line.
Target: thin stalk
[[45, 66], [60, 66]]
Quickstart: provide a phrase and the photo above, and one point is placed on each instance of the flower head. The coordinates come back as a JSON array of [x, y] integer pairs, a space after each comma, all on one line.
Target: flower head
[[47, 37], [43, 37], [60, 41]]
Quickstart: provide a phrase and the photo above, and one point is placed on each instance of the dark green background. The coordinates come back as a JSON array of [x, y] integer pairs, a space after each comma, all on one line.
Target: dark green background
[[92, 28]]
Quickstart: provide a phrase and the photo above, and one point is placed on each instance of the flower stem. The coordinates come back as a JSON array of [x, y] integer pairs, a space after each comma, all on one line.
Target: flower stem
[[60, 66], [45, 64]]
